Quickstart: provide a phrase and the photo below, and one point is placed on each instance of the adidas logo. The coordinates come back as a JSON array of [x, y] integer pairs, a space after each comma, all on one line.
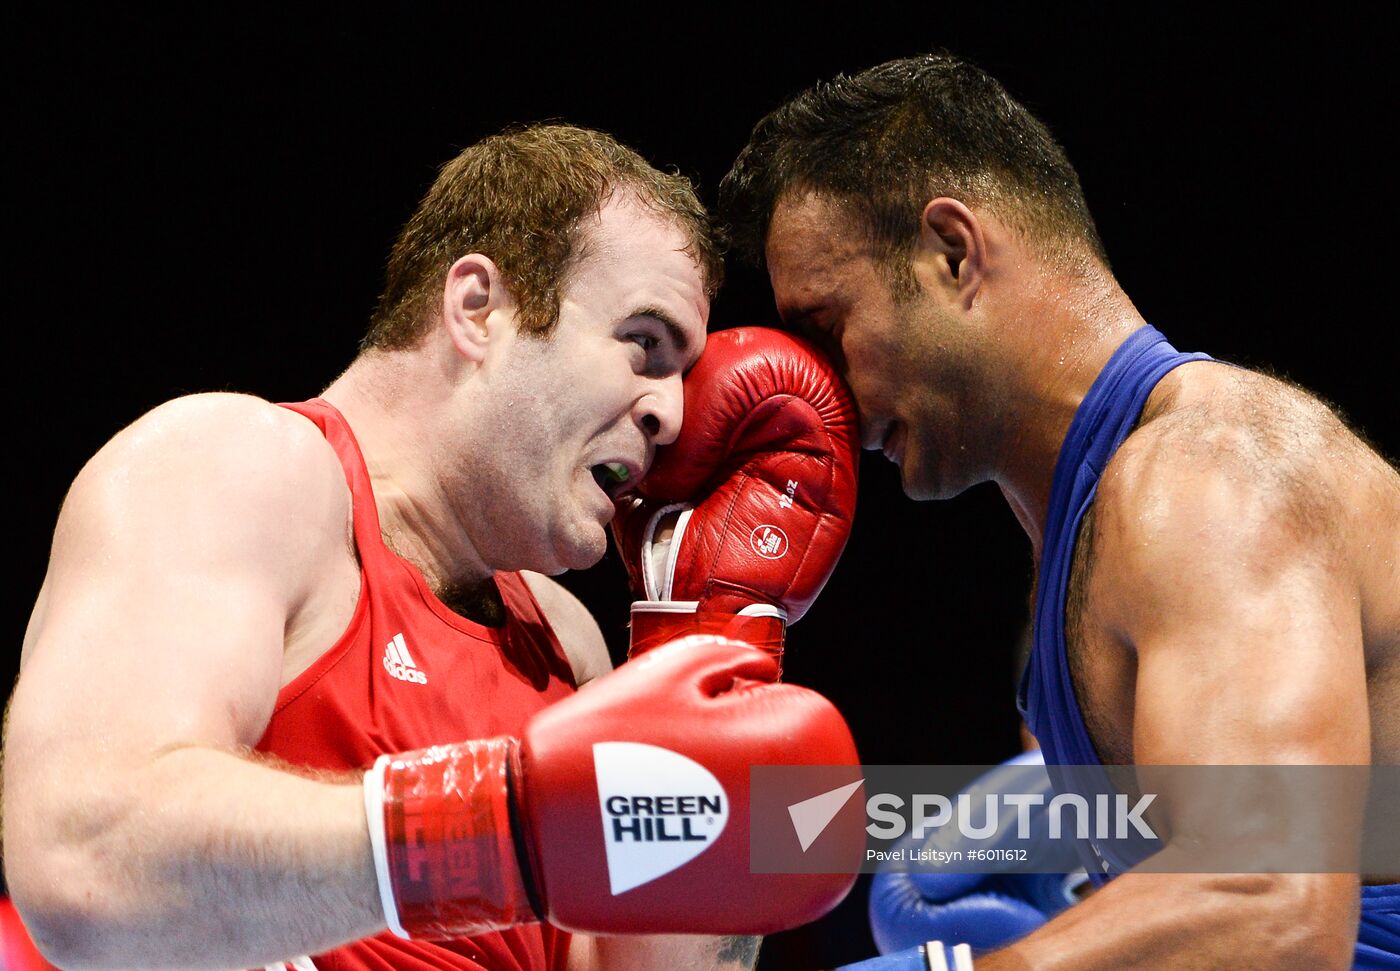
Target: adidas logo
[[399, 663]]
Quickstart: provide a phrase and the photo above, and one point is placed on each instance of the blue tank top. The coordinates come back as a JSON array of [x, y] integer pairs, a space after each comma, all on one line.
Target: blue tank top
[[1046, 698], [1104, 418]]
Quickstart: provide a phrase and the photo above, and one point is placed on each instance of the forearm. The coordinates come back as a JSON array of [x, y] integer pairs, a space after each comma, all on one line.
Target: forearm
[[196, 858], [1196, 921], [644, 953]]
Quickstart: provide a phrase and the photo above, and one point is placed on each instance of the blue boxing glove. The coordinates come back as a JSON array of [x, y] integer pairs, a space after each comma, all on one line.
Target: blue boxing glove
[[984, 910]]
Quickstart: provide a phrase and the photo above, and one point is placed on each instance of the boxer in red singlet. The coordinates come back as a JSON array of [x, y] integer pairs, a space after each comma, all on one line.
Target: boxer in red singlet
[[249, 605]]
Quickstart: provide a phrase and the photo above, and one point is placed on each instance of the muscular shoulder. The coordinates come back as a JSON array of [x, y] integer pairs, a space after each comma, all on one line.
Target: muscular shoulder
[[1230, 479], [238, 426], [574, 625], [1226, 437], [229, 471]]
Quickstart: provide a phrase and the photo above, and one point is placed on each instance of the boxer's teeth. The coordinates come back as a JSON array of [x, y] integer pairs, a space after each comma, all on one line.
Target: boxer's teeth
[[618, 471]]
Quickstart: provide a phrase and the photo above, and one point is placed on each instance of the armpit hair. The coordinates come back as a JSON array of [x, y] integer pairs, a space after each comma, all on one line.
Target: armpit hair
[[742, 951]]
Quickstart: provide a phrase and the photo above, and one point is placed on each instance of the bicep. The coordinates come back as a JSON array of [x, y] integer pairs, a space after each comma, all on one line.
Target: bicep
[[1266, 677], [1244, 661], [169, 588], [1230, 587], [1223, 573], [150, 654]]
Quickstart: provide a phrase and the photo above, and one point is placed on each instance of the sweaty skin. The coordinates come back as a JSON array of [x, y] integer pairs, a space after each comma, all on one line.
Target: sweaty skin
[[1235, 595], [204, 558]]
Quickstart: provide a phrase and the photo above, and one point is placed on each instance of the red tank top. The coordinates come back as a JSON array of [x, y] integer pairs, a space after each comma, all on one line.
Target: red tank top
[[406, 673]]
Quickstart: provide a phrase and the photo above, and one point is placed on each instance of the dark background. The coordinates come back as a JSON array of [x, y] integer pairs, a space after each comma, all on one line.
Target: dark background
[[200, 203]]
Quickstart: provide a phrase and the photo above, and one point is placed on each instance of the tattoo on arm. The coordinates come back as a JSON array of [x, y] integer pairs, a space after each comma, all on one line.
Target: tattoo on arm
[[742, 951]]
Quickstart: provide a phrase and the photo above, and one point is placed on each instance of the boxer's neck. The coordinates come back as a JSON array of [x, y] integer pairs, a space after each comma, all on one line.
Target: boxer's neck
[[398, 405], [1059, 342]]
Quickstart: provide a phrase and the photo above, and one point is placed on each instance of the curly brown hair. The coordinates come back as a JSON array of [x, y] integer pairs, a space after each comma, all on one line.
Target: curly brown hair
[[517, 198]]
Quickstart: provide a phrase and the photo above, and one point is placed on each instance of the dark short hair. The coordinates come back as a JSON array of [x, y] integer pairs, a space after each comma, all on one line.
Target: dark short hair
[[517, 198], [891, 138]]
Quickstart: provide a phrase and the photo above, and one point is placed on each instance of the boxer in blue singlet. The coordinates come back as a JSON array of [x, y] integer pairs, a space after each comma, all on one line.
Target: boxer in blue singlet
[[1216, 552]]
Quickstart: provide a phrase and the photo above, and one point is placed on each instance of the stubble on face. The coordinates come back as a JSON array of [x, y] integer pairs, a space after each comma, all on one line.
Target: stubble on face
[[562, 403]]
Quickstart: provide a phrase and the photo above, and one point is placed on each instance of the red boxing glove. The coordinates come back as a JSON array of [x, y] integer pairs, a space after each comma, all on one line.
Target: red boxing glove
[[763, 477], [623, 809]]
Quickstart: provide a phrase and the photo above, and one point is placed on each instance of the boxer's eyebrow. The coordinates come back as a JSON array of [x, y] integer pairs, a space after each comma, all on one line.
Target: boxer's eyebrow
[[673, 329]]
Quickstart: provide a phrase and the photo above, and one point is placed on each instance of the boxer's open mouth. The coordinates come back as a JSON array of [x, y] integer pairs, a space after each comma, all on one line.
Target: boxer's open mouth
[[893, 444], [612, 477]]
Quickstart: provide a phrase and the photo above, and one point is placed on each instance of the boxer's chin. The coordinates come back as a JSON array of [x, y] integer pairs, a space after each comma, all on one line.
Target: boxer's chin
[[922, 479], [582, 540], [914, 476], [917, 490], [585, 547]]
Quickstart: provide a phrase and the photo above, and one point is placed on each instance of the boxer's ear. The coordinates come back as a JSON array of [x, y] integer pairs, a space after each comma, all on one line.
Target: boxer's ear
[[952, 251], [472, 295]]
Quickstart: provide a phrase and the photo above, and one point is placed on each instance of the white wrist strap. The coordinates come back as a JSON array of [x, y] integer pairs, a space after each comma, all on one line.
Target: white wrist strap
[[1073, 883], [937, 957], [764, 610], [374, 815], [691, 606], [657, 577]]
